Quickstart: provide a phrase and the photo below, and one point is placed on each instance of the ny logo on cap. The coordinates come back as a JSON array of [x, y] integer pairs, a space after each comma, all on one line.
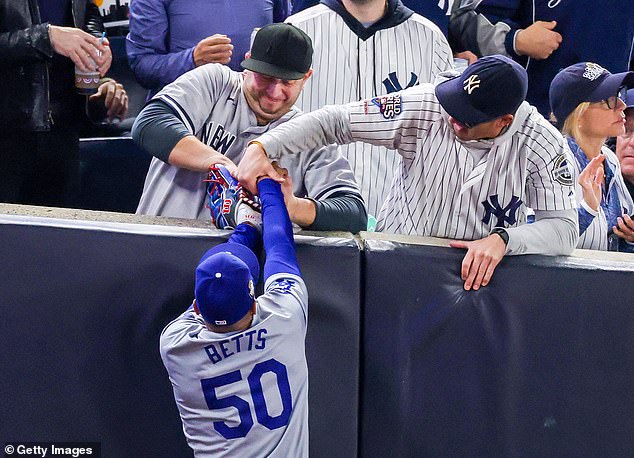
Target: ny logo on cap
[[471, 83], [593, 71]]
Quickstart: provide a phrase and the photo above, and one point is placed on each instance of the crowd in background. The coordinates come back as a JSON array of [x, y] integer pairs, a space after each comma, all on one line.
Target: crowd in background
[[43, 42]]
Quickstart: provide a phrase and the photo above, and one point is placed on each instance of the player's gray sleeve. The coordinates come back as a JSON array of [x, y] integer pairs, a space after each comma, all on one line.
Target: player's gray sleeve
[[157, 129], [553, 232], [340, 213], [472, 31]]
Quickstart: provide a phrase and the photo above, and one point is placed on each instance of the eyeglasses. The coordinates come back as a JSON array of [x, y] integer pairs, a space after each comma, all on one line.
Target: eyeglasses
[[613, 102]]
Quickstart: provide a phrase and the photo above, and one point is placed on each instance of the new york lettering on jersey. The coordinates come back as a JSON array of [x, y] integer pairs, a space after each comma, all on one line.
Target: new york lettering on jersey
[[215, 135]]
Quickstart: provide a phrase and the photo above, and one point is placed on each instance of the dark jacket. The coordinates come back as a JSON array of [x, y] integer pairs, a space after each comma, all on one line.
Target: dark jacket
[[25, 54], [592, 31]]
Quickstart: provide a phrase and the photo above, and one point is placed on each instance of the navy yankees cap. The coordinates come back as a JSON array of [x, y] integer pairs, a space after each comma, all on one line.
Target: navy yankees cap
[[281, 51], [584, 82], [489, 88], [225, 283]]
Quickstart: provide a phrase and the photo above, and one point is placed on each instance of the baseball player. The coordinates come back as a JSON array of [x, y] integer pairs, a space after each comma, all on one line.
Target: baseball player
[[364, 48], [475, 156], [208, 115], [237, 364]]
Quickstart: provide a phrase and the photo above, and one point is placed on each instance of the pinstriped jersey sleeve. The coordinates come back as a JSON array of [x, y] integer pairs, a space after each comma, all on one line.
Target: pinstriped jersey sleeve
[[193, 95], [395, 120], [550, 182]]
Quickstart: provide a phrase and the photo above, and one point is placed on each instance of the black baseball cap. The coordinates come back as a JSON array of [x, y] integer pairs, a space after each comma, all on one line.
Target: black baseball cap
[[281, 51], [584, 82], [491, 87]]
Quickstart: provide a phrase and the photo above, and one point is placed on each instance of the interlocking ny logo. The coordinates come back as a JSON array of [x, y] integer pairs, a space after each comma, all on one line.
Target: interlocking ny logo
[[471, 83], [507, 214], [392, 84]]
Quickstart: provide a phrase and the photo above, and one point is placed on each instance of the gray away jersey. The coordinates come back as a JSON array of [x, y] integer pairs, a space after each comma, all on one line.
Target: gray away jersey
[[210, 103], [245, 393], [446, 187], [347, 69]]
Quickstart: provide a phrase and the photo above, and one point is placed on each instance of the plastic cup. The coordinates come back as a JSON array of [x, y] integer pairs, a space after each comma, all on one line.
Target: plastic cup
[[86, 83]]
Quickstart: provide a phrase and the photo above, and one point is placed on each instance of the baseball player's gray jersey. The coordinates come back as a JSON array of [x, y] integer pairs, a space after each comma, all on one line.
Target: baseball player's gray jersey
[[446, 187], [244, 394], [210, 103], [595, 237], [349, 68]]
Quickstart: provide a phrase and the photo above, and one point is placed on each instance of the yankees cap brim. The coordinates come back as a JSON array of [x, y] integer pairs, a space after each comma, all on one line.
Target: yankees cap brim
[[610, 86], [452, 98]]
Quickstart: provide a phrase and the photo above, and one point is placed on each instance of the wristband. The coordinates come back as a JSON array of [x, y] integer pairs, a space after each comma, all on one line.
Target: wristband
[[502, 233], [255, 142]]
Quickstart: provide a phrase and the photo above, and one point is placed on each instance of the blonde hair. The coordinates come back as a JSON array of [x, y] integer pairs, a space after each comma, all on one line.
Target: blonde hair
[[571, 125]]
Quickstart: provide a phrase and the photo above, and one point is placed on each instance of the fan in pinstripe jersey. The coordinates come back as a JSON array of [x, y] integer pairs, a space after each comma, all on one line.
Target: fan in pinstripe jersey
[[364, 49], [475, 157]]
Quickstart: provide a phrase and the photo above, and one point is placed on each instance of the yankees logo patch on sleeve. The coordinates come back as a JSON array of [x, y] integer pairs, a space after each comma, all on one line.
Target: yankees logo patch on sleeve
[[389, 105], [561, 171]]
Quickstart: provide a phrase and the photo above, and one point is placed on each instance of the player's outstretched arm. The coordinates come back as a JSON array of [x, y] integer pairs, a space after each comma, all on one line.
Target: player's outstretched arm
[[277, 231]]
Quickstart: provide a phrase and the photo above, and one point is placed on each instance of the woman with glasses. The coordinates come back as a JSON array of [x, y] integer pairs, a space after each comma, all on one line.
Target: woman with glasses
[[587, 106], [625, 144]]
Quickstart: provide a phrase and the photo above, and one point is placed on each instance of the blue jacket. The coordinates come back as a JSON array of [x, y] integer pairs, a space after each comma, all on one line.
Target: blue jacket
[[591, 30], [164, 33]]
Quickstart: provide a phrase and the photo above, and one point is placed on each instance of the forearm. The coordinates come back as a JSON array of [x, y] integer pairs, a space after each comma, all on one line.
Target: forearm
[[159, 132], [247, 235], [277, 232], [340, 213], [154, 71], [302, 211], [553, 232], [309, 131], [32, 44]]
